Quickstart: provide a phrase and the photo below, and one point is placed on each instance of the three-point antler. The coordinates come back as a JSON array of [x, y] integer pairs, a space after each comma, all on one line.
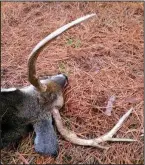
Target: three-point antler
[[72, 137], [35, 52]]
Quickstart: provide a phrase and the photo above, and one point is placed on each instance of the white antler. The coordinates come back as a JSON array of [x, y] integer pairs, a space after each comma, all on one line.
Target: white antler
[[72, 137], [37, 49]]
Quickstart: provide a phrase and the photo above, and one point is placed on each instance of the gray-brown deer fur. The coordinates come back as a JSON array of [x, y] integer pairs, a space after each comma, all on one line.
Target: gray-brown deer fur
[[30, 107], [22, 108]]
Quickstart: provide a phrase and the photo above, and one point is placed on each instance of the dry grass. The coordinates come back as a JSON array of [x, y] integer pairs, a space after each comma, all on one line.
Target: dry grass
[[102, 57]]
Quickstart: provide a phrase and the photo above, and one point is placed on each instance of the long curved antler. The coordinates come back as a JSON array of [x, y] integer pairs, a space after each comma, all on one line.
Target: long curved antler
[[35, 52]]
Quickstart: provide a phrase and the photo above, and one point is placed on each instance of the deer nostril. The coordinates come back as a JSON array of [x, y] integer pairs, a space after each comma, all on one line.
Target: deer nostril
[[65, 77]]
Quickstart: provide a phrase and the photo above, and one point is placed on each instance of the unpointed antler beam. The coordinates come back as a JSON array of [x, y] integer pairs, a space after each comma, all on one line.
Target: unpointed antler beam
[[38, 48]]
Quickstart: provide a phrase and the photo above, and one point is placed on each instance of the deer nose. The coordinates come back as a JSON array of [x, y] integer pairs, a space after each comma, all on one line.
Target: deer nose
[[60, 79], [65, 81], [65, 76], [62, 76]]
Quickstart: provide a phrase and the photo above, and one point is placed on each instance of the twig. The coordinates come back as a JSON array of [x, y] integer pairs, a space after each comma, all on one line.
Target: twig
[[110, 106], [22, 158]]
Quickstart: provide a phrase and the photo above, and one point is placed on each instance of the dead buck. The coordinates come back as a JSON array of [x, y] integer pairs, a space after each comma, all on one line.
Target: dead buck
[[35, 105]]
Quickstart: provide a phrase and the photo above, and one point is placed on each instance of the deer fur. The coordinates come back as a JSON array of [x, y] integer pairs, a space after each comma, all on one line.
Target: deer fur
[[25, 108]]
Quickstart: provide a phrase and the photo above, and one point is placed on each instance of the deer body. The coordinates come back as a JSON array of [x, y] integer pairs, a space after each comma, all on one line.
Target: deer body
[[27, 107]]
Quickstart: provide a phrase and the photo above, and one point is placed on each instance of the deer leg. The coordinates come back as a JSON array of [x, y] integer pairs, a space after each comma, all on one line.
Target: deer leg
[[46, 140]]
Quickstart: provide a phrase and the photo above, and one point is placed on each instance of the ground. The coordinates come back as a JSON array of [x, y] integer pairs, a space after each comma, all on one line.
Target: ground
[[102, 56]]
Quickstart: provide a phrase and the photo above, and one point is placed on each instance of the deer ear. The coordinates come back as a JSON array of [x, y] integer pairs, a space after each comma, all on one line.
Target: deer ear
[[46, 140]]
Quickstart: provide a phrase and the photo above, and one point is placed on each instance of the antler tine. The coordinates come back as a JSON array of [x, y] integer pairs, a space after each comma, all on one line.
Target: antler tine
[[35, 52]]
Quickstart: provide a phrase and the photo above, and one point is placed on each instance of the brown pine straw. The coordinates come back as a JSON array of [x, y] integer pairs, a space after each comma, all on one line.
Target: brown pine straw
[[102, 57]]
